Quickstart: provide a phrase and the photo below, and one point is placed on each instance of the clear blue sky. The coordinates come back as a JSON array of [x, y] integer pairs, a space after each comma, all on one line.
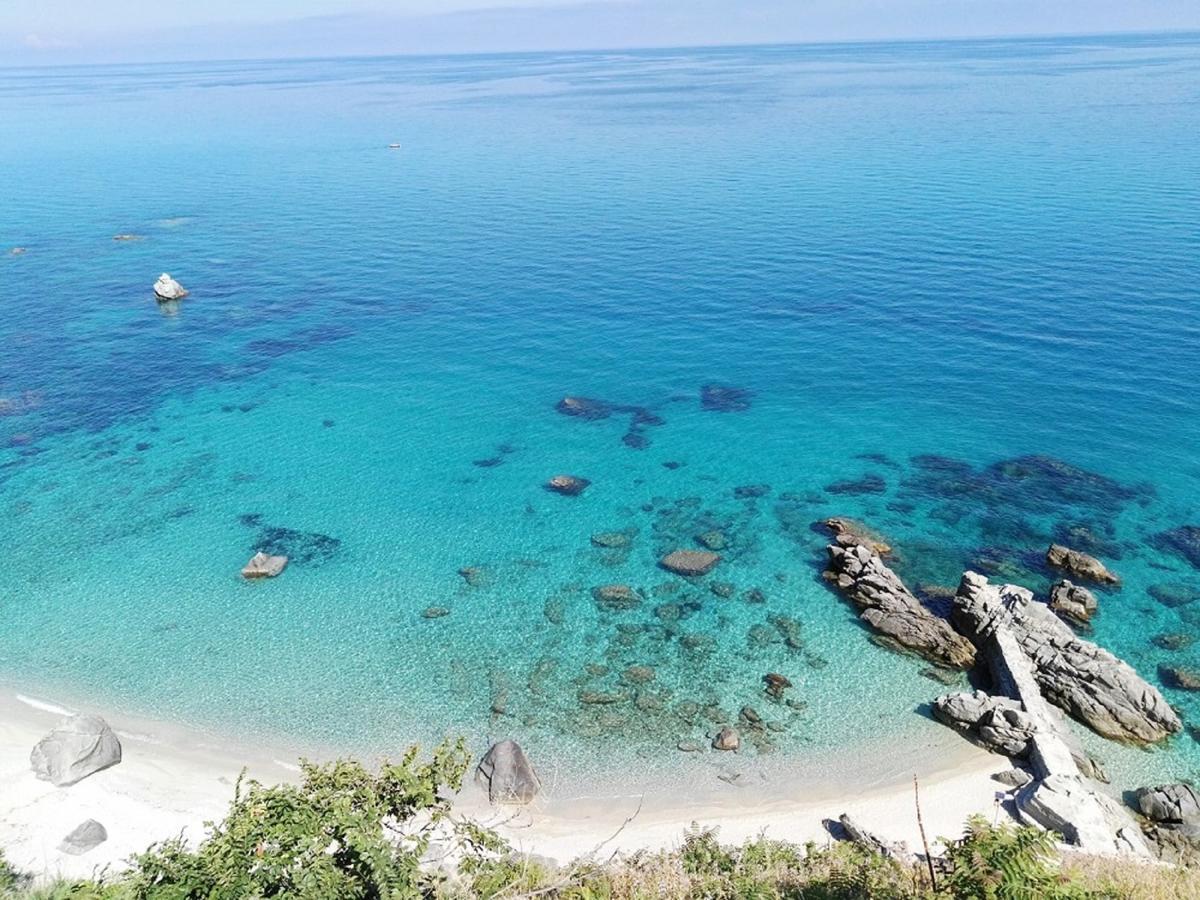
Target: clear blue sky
[[59, 31]]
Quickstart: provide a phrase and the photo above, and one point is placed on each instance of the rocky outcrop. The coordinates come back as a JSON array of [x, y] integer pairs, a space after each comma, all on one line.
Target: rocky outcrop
[[78, 746], [1086, 818], [85, 837], [263, 565], [891, 608], [167, 288], [508, 774], [1087, 681], [690, 562], [1169, 804], [848, 532], [727, 739], [873, 843], [999, 724], [1074, 603], [1079, 564], [570, 485]]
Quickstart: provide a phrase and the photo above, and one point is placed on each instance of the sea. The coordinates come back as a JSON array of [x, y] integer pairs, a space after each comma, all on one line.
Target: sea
[[948, 289]]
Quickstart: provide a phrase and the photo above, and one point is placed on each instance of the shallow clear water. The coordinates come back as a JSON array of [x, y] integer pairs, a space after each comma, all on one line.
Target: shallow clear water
[[983, 251]]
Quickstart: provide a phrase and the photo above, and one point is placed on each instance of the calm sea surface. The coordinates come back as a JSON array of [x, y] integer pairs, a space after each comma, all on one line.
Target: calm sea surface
[[954, 289]]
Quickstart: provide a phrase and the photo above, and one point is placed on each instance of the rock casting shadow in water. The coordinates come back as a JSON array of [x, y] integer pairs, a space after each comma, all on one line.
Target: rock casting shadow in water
[[592, 410], [300, 547]]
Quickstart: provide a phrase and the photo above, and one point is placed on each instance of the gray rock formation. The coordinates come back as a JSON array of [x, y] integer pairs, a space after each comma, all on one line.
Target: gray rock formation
[[848, 532], [1170, 804], [868, 840], [262, 565], [1084, 817], [999, 724], [1074, 603], [508, 774], [85, 837], [1087, 681], [78, 746], [690, 562], [167, 288], [570, 485], [1079, 564], [1014, 777], [892, 609]]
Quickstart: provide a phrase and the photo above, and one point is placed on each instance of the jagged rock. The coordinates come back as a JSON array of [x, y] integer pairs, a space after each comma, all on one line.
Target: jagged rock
[[727, 739], [569, 485], [1087, 681], [1180, 677], [996, 723], [690, 562], [86, 836], [872, 842], [1086, 818], [617, 596], [891, 609], [1075, 604], [262, 565], [1169, 804], [508, 774], [1079, 564], [78, 746], [849, 532], [167, 288], [1017, 778]]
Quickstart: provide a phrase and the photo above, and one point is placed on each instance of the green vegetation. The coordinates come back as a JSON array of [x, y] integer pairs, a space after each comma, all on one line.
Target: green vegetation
[[344, 832]]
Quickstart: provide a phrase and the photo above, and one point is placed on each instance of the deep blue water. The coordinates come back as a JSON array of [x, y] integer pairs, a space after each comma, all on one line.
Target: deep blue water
[[921, 262]]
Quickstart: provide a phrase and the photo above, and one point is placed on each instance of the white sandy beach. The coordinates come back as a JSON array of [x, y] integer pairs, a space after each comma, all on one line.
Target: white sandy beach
[[172, 781]]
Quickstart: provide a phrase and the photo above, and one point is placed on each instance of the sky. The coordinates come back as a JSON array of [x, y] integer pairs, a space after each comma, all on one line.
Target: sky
[[52, 32]]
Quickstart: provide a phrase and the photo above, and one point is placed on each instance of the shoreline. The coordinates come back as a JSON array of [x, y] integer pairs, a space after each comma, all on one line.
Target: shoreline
[[172, 780]]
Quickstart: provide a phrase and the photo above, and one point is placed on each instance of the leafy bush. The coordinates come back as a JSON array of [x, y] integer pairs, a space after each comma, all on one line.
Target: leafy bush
[[1006, 863]]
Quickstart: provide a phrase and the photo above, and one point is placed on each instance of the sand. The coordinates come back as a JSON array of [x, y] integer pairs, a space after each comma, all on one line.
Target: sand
[[172, 780]]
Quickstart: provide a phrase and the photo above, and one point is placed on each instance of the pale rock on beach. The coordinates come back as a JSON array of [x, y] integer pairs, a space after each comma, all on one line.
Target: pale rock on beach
[[78, 746]]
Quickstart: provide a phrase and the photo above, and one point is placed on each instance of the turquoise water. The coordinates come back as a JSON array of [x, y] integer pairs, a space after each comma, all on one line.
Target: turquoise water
[[920, 262]]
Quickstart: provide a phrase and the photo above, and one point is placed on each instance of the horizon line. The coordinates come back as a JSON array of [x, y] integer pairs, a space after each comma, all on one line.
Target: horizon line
[[864, 42]]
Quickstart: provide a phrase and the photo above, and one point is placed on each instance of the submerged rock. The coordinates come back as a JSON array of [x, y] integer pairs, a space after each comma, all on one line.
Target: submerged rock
[[891, 609], [1181, 678], [1079, 564], [775, 684], [690, 562], [1183, 541], [167, 288], [1073, 603], [78, 746], [1085, 680], [617, 596], [569, 485], [868, 484], [262, 565], [751, 491], [1173, 641], [84, 837], [584, 408], [612, 540], [1174, 594], [712, 540], [727, 739], [300, 547], [508, 774], [723, 398], [435, 612]]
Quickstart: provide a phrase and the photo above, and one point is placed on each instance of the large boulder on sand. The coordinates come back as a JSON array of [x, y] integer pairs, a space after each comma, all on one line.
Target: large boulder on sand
[[508, 774], [690, 562], [79, 746], [891, 608], [1080, 564], [85, 837], [167, 288], [1081, 678], [998, 724]]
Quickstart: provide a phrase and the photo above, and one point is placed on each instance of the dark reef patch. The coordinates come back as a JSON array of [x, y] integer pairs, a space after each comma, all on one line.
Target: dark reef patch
[[725, 398], [300, 547], [1183, 541], [868, 484]]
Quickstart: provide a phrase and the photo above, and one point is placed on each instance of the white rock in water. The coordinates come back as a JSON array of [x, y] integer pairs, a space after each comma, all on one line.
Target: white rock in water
[[262, 565], [393, 146], [167, 288], [78, 747]]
